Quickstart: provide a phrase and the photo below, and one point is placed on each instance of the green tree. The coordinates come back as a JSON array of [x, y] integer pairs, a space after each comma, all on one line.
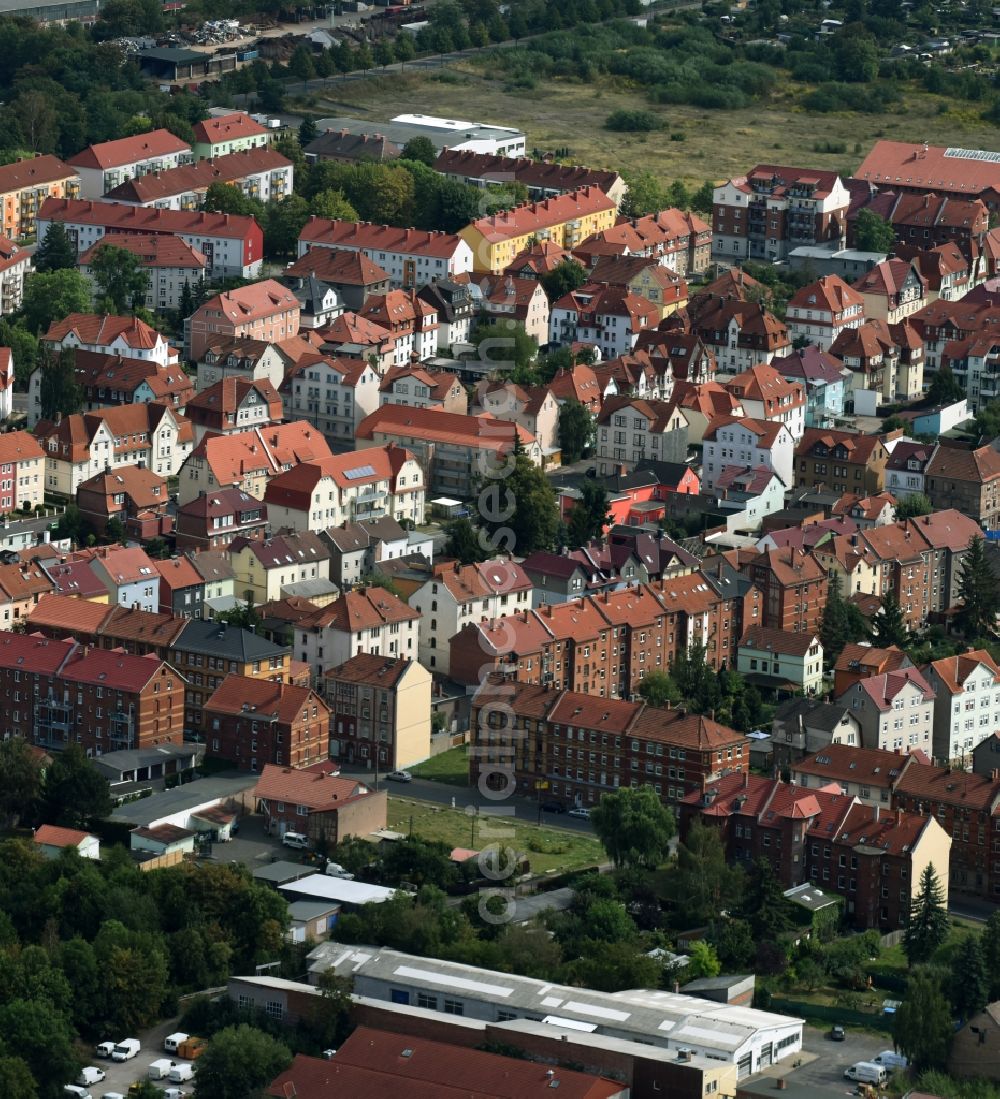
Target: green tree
[[888, 623], [55, 251], [734, 943], [894, 423], [385, 54], [122, 281], [73, 792], [40, 1035], [645, 194], [970, 980], [59, 391], [913, 505], [333, 205], [16, 1081], [283, 221], [135, 975], [528, 951], [658, 689], [244, 615], [405, 51], [238, 1061], [978, 588], [221, 198], [927, 923], [634, 827], [616, 966], [589, 515], [363, 57], [989, 943], [765, 906], [855, 57], [301, 64], [873, 233], [51, 296], [421, 149], [519, 509], [307, 132], [565, 276], [702, 961], [20, 781], [702, 881], [921, 1027], [842, 622], [463, 543], [944, 387], [505, 346]]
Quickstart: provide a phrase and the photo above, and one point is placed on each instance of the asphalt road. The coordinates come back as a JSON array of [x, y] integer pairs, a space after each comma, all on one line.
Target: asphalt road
[[825, 1060], [121, 1074]]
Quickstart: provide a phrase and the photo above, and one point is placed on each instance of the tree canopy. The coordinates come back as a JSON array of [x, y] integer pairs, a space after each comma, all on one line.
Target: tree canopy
[[51, 296], [927, 922], [59, 391], [576, 430], [238, 1061], [921, 1027], [977, 614], [873, 233], [518, 511], [634, 826], [122, 280]]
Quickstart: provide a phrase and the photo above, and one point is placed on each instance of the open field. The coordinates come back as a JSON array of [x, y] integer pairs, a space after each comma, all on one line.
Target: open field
[[558, 848], [451, 767], [716, 144]]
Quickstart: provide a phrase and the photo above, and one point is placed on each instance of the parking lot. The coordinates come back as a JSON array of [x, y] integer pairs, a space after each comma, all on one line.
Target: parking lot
[[824, 1061], [121, 1074]]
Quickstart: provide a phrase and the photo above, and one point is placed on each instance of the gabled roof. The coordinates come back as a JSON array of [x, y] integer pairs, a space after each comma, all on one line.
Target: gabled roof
[[929, 167], [19, 446], [476, 432], [953, 671], [227, 127], [381, 238], [950, 787], [198, 177], [103, 330], [829, 293], [154, 250], [370, 608], [466, 583], [129, 150], [870, 659], [231, 642], [49, 835], [316, 787], [338, 268], [976, 466], [882, 689], [270, 449], [778, 641], [369, 668], [859, 447], [535, 216], [263, 699], [114, 669], [289, 548], [249, 303], [146, 219], [34, 171], [227, 396], [848, 763]]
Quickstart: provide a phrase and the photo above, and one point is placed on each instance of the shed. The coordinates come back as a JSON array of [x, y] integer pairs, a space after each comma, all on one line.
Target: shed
[[164, 839], [282, 871], [217, 822], [339, 890], [52, 841], [311, 921], [146, 764]]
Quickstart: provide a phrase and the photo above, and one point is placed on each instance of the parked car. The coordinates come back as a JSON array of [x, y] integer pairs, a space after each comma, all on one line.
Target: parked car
[[90, 1075], [580, 813], [77, 1092], [335, 870], [553, 807], [399, 776], [172, 1041], [296, 839], [864, 1072], [591, 471], [837, 1033]]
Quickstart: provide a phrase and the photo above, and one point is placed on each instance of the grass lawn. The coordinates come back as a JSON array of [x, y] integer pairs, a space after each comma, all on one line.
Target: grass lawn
[[557, 848], [715, 144], [451, 767]]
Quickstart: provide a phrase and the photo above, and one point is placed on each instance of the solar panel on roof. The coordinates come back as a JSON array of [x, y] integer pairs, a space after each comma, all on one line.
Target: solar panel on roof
[[974, 154], [359, 471]]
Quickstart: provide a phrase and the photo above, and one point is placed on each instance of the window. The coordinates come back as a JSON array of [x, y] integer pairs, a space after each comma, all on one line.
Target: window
[[274, 1009], [425, 1000], [454, 1007]]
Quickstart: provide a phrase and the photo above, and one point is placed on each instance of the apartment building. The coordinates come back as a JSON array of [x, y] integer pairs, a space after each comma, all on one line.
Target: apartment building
[[335, 394], [793, 587], [518, 299], [419, 386], [631, 431], [867, 774], [233, 405], [892, 290], [264, 311], [535, 408], [368, 484], [895, 710], [232, 244], [566, 219], [292, 563], [133, 496], [410, 257], [225, 134], [25, 186], [15, 263], [841, 461], [213, 519], [772, 210], [457, 594], [740, 334], [171, 263], [746, 444], [968, 480], [182, 588], [104, 166], [610, 317], [581, 747], [252, 722], [819, 312], [677, 239], [966, 705], [380, 711], [22, 471], [106, 334], [58, 692], [411, 321]]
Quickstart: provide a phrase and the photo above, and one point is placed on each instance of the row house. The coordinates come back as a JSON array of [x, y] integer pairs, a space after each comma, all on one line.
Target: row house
[[886, 363], [746, 444], [265, 311], [132, 496], [410, 257], [792, 584], [335, 394], [171, 264], [371, 620], [567, 219], [864, 511], [410, 320], [579, 747], [15, 263], [253, 722], [233, 405], [61, 692], [380, 711], [948, 273], [966, 705], [233, 244], [533, 407], [214, 519], [367, 484], [22, 471], [767, 395], [542, 178], [678, 239], [819, 312], [803, 726], [352, 336], [967, 808], [906, 469], [824, 379], [103, 166], [941, 323], [27, 186], [106, 334], [842, 461], [182, 588], [867, 774], [65, 616], [423, 387], [249, 459], [740, 334], [251, 360], [79, 447], [607, 317], [505, 297], [455, 305], [456, 594], [645, 277], [893, 290], [352, 276], [774, 209], [262, 174], [220, 135], [895, 710], [872, 858], [452, 450], [292, 563], [927, 220], [22, 587], [968, 480], [219, 591], [634, 375], [631, 431]]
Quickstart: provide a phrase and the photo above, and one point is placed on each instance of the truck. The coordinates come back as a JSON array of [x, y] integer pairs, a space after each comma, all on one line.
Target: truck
[[172, 1041], [180, 1072], [191, 1048], [160, 1068], [126, 1049]]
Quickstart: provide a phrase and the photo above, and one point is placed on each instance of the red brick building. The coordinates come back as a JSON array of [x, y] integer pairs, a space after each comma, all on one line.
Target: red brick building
[[793, 587], [250, 722], [316, 801], [581, 746]]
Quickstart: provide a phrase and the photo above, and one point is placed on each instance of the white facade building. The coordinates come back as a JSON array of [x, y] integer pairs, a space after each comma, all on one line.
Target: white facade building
[[966, 704], [748, 443]]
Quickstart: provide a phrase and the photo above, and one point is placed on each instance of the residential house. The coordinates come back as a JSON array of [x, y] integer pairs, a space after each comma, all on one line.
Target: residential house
[[677, 239], [591, 569], [335, 394], [248, 459], [803, 726], [929, 219], [213, 519], [905, 471], [380, 711], [457, 594], [608, 317], [825, 381], [781, 661], [319, 304], [746, 444], [892, 290], [134, 497], [410, 257], [867, 774], [359, 549], [840, 460], [858, 662], [248, 359], [451, 450], [895, 710], [348, 148], [455, 308], [233, 405], [352, 336], [15, 263], [182, 588], [740, 334], [967, 480], [766, 395], [22, 471], [233, 244], [518, 299], [316, 801], [220, 581], [229, 133], [820, 312], [27, 184], [645, 276], [535, 408], [351, 275], [358, 485], [632, 431], [129, 575], [253, 722], [123, 337], [411, 321], [292, 563], [170, 263], [22, 587], [265, 311], [423, 387], [966, 704], [104, 166], [865, 511], [79, 447], [793, 588], [578, 384]]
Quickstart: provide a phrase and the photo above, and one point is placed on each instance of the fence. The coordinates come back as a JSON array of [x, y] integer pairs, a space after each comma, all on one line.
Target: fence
[[830, 1014]]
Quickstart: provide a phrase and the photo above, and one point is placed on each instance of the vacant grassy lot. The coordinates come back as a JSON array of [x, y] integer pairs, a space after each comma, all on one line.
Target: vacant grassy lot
[[715, 144], [451, 767], [546, 848]]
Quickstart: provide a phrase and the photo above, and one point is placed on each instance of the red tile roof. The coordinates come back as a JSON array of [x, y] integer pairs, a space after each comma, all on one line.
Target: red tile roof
[[188, 178], [949, 786], [154, 250], [32, 172], [314, 787], [335, 266], [367, 609], [535, 216], [953, 671], [475, 432], [19, 446], [379, 671], [350, 470], [910, 164], [143, 219], [778, 641], [66, 612], [828, 293], [227, 127], [356, 235], [129, 150], [34, 652], [268, 449], [847, 763], [101, 330], [53, 836], [112, 668], [283, 702]]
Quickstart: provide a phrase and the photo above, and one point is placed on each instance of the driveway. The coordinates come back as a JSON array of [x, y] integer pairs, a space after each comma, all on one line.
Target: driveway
[[824, 1061]]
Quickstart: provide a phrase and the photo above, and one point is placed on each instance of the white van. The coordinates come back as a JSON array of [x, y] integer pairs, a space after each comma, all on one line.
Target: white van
[[112, 1095], [335, 870], [181, 1072], [864, 1072], [889, 1059], [160, 1069], [172, 1041], [295, 839], [105, 1049], [90, 1075], [126, 1049]]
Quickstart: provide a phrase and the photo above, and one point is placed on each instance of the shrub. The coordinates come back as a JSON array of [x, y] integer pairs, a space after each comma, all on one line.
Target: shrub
[[625, 121]]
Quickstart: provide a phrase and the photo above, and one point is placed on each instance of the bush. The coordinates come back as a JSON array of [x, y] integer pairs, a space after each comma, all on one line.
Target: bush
[[624, 121]]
